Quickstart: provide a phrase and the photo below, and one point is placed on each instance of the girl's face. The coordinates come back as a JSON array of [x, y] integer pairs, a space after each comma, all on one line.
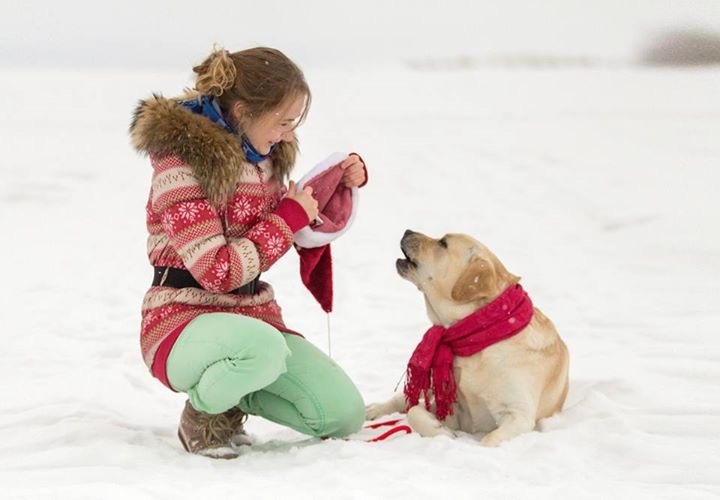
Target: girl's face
[[274, 126]]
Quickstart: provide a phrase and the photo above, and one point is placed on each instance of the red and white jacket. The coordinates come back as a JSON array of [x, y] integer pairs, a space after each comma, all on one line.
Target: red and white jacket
[[224, 245]]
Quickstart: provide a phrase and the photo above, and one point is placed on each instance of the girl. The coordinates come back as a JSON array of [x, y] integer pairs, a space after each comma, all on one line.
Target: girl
[[218, 215]]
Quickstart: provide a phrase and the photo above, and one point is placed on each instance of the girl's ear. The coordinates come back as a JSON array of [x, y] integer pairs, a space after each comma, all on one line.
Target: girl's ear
[[238, 112]]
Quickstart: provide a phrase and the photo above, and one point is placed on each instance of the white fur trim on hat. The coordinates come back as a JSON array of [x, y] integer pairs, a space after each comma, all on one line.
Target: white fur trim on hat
[[307, 237]]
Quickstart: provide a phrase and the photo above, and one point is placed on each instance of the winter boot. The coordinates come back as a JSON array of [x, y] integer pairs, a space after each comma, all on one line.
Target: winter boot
[[237, 419], [212, 435]]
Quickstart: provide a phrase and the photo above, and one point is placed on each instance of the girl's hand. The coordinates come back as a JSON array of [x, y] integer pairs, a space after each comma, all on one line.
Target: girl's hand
[[305, 199], [354, 174]]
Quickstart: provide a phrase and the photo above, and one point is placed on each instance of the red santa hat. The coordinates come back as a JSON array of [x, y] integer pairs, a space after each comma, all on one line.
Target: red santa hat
[[337, 206]]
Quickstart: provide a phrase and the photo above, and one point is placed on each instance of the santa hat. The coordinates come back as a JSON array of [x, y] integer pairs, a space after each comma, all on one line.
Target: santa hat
[[337, 206]]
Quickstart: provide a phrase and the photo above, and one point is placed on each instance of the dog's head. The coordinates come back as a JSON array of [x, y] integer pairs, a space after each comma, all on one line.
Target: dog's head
[[456, 273]]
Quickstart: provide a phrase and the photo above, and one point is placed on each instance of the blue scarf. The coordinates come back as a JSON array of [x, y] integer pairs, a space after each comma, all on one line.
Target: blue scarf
[[252, 154], [210, 109]]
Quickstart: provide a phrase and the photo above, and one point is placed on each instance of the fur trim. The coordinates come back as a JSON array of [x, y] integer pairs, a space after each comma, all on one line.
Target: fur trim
[[164, 126], [307, 237]]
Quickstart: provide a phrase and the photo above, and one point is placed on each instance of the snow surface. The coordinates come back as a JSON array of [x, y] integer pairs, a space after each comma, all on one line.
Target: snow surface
[[597, 186]]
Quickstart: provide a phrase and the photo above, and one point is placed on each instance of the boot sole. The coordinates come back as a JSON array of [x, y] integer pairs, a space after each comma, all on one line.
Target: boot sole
[[182, 440], [229, 456]]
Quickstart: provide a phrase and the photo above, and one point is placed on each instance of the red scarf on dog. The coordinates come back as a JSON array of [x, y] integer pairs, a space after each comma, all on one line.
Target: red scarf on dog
[[431, 365]]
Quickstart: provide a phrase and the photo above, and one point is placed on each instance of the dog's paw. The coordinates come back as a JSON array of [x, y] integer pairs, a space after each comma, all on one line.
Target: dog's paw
[[444, 431], [438, 430], [491, 440], [425, 423], [375, 410]]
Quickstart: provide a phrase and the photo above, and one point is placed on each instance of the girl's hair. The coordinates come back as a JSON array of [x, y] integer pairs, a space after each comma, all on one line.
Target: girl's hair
[[262, 79]]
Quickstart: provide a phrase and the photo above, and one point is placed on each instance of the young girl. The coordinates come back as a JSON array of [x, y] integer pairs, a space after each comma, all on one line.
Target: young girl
[[218, 215]]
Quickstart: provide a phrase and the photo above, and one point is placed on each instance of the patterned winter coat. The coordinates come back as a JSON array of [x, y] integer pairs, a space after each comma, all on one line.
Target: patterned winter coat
[[213, 213]]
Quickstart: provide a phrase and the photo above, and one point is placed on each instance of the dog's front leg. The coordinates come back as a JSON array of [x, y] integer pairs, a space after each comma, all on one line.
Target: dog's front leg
[[394, 404], [510, 424], [426, 424]]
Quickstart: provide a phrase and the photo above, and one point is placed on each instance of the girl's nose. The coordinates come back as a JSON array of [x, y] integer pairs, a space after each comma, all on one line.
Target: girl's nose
[[287, 136]]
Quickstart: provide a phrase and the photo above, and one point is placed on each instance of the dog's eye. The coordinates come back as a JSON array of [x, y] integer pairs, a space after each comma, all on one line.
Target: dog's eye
[[442, 242]]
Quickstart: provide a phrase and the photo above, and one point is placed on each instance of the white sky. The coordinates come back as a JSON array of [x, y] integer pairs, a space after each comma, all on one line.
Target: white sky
[[151, 33]]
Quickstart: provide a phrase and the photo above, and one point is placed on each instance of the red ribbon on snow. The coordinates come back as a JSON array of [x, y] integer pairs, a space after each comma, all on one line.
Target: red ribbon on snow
[[382, 437]]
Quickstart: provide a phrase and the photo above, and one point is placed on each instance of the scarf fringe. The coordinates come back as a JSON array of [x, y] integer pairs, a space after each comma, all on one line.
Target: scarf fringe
[[416, 383], [443, 383], [443, 386]]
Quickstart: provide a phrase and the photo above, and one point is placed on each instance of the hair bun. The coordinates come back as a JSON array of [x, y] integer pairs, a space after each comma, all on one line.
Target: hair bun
[[216, 73]]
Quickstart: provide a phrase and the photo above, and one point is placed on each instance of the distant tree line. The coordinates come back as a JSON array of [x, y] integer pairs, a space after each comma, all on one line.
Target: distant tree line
[[684, 47]]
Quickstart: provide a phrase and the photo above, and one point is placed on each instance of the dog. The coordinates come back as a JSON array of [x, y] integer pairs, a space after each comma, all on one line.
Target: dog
[[502, 390]]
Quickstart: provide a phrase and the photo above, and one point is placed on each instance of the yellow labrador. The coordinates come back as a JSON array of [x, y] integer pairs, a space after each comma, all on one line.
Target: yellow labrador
[[503, 390]]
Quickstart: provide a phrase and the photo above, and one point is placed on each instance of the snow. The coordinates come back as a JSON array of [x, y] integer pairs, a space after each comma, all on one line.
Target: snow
[[596, 185]]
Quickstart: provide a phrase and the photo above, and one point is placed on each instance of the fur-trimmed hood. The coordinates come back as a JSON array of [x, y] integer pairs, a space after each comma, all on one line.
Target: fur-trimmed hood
[[164, 126]]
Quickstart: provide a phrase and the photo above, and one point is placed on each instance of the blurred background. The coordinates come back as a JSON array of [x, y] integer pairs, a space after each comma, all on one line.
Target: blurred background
[[168, 34]]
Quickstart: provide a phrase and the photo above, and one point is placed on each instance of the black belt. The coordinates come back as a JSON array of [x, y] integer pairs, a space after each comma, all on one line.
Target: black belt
[[181, 278]]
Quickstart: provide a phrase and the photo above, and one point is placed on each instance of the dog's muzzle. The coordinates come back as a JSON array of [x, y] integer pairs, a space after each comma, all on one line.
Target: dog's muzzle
[[408, 245]]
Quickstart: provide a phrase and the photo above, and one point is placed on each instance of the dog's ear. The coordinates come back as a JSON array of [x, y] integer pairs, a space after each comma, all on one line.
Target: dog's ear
[[505, 277], [476, 282]]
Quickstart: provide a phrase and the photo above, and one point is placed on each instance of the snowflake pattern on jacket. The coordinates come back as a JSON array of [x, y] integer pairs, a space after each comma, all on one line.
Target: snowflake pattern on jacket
[[223, 251], [212, 213]]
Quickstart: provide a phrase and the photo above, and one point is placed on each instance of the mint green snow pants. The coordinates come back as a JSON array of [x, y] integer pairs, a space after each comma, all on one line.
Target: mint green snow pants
[[222, 360]]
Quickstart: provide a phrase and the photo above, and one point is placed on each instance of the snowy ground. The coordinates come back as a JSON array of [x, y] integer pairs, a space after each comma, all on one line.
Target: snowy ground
[[598, 186]]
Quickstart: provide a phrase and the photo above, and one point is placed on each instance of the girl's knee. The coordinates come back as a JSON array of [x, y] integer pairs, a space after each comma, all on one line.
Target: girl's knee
[[269, 355], [252, 366], [347, 417], [214, 337]]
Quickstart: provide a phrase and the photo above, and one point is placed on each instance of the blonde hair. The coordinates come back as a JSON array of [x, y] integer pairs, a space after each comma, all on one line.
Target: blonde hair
[[215, 74], [262, 79]]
